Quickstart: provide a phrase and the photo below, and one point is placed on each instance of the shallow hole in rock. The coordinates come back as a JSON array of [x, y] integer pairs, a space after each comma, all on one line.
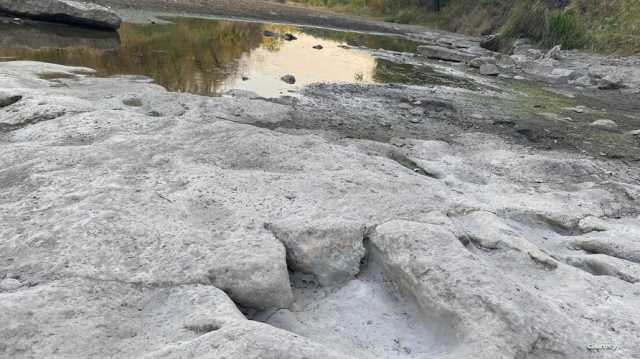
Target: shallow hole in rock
[[408, 163], [544, 222], [202, 329], [56, 75], [595, 267], [133, 102], [365, 317]]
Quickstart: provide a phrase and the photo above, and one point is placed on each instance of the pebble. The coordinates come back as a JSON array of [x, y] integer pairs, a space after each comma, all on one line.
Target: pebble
[[289, 37], [290, 79], [489, 70], [10, 284], [604, 124], [417, 111]]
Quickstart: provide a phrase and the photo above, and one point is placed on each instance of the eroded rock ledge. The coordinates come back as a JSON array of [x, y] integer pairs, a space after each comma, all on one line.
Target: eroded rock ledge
[[65, 11], [125, 234]]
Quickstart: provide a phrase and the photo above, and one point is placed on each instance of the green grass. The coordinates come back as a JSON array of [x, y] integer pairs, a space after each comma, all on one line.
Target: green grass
[[549, 27], [609, 26]]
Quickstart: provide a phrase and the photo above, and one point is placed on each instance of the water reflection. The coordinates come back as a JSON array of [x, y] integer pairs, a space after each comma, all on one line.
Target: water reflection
[[37, 35], [204, 56], [391, 72]]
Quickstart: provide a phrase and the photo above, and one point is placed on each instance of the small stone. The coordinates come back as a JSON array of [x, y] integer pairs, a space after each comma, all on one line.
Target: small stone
[[634, 133], [133, 102], [290, 79], [154, 114], [479, 61], [577, 109], [582, 81], [520, 59], [10, 284], [318, 47], [417, 111], [604, 124], [611, 82], [289, 37], [591, 224], [245, 78], [489, 70], [415, 120], [554, 53], [534, 53], [505, 61], [560, 74], [507, 123]]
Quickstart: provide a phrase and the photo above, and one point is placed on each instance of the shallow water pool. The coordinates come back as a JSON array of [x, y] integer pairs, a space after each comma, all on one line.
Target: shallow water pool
[[208, 57]]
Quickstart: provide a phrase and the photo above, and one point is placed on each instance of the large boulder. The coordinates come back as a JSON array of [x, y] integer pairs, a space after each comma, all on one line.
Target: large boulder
[[491, 43], [65, 11], [330, 249], [611, 82]]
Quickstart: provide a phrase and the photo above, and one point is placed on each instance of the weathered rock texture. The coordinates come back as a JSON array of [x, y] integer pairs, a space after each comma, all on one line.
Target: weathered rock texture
[[66, 11], [129, 235]]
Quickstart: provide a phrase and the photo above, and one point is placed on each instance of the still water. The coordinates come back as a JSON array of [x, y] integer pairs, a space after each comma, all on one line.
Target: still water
[[208, 57]]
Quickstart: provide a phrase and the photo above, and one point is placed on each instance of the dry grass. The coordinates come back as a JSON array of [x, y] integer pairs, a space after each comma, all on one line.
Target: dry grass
[[611, 26]]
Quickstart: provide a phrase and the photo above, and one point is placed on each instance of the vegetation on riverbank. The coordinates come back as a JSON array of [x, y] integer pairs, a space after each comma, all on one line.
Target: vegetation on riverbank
[[604, 26]]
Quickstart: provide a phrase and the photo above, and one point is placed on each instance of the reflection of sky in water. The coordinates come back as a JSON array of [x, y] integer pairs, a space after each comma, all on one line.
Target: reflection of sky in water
[[204, 56], [264, 67]]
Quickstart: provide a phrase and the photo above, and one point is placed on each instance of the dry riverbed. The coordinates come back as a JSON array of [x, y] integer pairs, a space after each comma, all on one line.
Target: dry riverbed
[[432, 213]]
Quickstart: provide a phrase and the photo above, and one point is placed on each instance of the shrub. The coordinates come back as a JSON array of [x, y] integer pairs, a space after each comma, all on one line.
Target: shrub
[[565, 28]]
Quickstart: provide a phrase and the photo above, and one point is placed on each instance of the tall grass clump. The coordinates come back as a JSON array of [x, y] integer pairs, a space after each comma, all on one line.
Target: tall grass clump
[[537, 21], [610, 26], [564, 27]]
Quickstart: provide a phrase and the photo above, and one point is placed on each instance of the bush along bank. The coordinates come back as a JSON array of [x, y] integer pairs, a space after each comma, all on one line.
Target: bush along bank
[[611, 26]]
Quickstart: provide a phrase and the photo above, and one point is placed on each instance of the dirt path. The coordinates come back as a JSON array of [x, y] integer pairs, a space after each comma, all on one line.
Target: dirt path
[[263, 11]]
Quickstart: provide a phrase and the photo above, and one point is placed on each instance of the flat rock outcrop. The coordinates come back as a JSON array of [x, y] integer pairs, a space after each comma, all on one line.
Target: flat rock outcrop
[[65, 11], [135, 222]]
